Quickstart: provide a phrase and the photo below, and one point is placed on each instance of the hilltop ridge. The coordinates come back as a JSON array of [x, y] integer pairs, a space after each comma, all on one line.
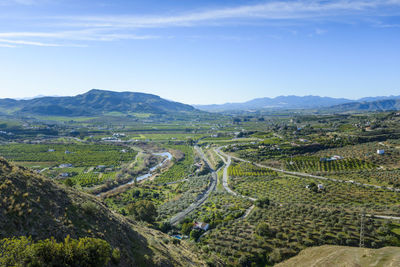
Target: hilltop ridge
[[94, 102]]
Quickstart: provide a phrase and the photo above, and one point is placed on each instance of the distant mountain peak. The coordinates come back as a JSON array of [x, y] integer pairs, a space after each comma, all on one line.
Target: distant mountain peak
[[95, 102], [287, 102]]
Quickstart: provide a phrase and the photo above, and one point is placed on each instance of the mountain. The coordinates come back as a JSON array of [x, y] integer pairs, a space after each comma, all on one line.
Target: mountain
[[280, 102], [300, 102], [344, 256], [94, 102], [32, 205], [380, 105]]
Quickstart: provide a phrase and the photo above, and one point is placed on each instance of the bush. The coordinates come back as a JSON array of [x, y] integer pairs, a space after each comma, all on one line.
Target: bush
[[143, 210], [165, 227], [186, 228], [83, 252], [262, 229], [195, 234], [90, 207], [262, 202]]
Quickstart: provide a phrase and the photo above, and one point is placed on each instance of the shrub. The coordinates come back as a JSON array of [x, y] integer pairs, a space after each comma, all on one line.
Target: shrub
[[72, 252], [262, 229], [143, 210], [90, 208]]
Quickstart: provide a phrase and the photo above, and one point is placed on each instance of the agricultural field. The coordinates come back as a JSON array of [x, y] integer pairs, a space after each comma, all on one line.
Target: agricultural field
[[315, 164], [388, 178], [247, 169], [368, 152], [290, 189], [186, 193], [79, 155], [221, 207], [119, 201], [278, 232], [182, 167], [301, 211], [168, 199]]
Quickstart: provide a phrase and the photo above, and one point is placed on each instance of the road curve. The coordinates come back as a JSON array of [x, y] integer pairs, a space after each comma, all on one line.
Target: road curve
[[226, 185], [310, 175], [181, 215], [220, 153]]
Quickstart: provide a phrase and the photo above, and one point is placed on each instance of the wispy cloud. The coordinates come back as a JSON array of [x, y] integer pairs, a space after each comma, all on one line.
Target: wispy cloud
[[279, 10], [30, 38], [18, 2], [7, 45], [23, 42], [125, 27], [79, 35]]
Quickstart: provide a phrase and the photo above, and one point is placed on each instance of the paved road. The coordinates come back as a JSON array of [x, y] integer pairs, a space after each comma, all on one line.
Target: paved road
[[310, 175], [219, 152], [226, 185], [181, 215]]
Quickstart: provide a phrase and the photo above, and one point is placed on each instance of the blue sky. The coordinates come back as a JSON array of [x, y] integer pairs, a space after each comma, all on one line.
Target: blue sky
[[200, 52]]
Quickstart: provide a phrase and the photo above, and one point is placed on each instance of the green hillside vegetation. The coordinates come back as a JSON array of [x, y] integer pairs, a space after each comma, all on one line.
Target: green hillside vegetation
[[83, 252], [32, 205], [95, 102], [379, 105]]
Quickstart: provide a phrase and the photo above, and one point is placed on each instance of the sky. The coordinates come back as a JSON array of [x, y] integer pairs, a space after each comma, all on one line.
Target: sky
[[200, 52]]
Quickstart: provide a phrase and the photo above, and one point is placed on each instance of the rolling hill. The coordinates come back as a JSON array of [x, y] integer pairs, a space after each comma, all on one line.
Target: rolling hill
[[95, 102], [380, 105], [32, 205]]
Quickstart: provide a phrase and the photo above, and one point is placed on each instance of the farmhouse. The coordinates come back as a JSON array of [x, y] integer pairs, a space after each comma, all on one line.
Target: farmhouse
[[65, 165], [333, 158], [201, 225]]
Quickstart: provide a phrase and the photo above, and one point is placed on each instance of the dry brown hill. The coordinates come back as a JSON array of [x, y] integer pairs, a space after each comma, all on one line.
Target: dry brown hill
[[32, 205], [340, 256]]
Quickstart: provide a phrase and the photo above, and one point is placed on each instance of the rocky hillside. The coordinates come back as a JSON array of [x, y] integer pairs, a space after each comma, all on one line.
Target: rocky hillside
[[32, 205]]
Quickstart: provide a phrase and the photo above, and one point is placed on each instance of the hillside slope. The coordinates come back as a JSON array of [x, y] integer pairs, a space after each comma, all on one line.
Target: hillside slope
[[340, 256], [94, 102], [31, 205], [380, 105]]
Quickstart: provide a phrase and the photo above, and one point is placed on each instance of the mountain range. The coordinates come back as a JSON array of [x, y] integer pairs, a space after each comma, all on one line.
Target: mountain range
[[94, 102], [304, 102], [100, 102]]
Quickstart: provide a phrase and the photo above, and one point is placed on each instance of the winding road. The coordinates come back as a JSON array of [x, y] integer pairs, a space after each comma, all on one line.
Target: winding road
[[225, 181], [226, 186], [218, 150], [181, 215]]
